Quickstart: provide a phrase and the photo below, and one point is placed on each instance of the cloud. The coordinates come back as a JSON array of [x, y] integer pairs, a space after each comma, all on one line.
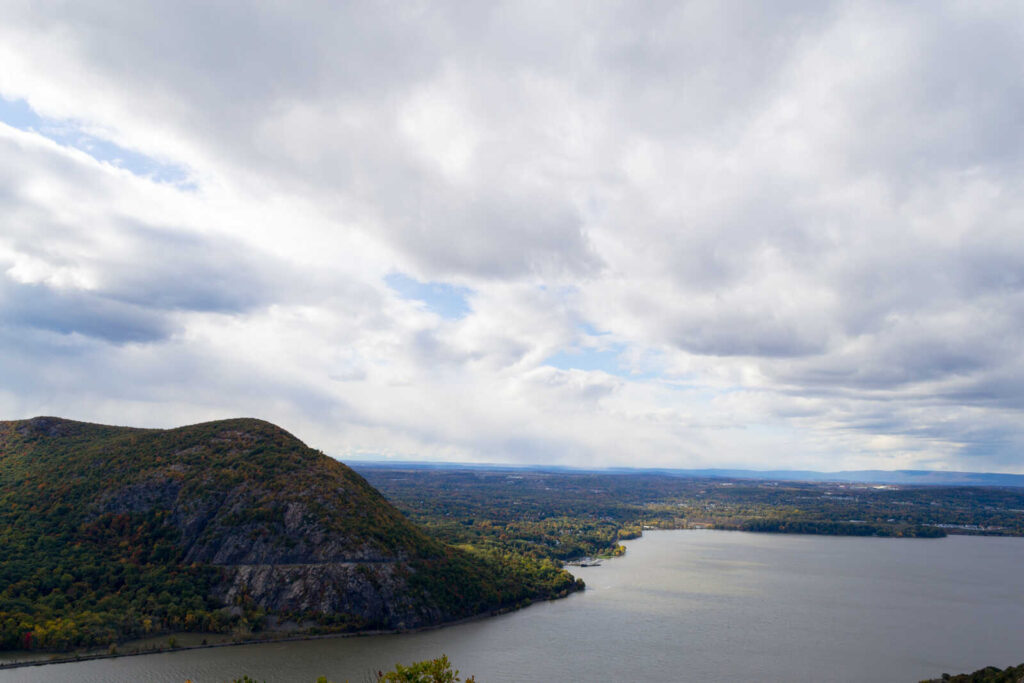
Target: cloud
[[37, 306], [399, 229]]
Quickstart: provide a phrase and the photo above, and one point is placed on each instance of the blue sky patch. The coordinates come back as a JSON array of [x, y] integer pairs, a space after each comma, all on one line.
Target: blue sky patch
[[69, 133], [592, 331], [587, 359], [603, 356], [447, 300]]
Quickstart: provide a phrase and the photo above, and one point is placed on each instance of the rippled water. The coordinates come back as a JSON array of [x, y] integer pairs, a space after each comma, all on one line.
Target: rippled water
[[688, 606]]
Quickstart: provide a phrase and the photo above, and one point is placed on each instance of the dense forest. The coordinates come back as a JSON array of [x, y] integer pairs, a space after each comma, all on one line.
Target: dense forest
[[111, 533], [563, 515]]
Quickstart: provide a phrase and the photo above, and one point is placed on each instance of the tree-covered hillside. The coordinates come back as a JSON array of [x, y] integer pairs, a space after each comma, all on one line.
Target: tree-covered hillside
[[110, 532], [990, 674]]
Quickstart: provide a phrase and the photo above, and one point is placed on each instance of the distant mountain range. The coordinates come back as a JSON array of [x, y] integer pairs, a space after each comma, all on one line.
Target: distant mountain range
[[903, 477], [906, 477]]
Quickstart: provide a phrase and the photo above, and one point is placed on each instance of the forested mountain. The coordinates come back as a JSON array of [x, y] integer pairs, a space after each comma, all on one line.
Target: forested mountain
[[112, 532]]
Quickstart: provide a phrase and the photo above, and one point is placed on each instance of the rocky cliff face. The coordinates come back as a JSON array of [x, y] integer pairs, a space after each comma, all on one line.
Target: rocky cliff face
[[377, 594], [284, 560]]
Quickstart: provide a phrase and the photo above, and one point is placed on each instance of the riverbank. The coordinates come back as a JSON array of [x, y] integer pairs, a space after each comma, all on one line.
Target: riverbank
[[263, 638]]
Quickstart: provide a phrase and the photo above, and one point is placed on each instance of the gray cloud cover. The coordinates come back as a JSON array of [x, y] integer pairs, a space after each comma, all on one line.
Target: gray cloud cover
[[798, 225]]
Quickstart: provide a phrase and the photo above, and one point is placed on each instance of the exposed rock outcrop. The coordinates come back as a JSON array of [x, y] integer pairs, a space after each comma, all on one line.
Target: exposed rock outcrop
[[376, 593]]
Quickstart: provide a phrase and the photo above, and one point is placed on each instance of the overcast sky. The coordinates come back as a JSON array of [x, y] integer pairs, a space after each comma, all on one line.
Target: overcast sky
[[768, 235]]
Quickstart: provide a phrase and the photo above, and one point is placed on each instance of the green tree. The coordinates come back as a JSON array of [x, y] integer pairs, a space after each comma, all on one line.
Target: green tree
[[428, 671]]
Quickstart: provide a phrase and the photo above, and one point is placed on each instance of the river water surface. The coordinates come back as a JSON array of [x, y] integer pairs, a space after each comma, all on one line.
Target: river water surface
[[687, 606]]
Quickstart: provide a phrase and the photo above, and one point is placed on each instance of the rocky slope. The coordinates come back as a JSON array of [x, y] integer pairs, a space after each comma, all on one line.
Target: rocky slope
[[216, 526]]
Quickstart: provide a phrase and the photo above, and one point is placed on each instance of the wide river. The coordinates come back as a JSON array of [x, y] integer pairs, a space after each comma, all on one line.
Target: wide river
[[687, 606]]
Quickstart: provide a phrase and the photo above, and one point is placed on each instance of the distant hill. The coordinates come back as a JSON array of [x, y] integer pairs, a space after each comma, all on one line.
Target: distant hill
[[114, 532], [906, 477], [990, 674]]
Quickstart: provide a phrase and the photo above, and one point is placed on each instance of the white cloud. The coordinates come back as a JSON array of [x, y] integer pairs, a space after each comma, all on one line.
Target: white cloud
[[799, 227]]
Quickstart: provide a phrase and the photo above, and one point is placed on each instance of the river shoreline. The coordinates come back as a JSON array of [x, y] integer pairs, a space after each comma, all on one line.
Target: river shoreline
[[284, 637]]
